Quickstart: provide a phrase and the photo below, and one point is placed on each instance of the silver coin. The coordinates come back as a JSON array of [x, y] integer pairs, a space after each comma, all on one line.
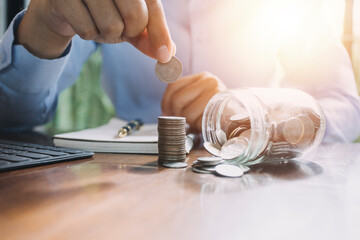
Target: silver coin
[[171, 145], [174, 164], [170, 124], [164, 140], [199, 170], [173, 128], [209, 160], [293, 130], [169, 148], [240, 117], [171, 136], [172, 156], [166, 133], [208, 168], [189, 143], [228, 170], [172, 150], [212, 148], [237, 131], [233, 148], [198, 164], [172, 118], [169, 72], [245, 169], [166, 160], [177, 130], [221, 136]]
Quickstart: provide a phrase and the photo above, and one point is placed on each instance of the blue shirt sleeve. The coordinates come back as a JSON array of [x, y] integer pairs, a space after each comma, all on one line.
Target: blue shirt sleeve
[[29, 86]]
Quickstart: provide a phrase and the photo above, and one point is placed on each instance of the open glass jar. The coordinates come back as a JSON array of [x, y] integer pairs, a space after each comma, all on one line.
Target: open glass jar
[[257, 125]]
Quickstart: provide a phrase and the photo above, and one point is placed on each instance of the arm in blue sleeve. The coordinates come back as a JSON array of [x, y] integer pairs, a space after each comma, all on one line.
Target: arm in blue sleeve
[[29, 86], [328, 76]]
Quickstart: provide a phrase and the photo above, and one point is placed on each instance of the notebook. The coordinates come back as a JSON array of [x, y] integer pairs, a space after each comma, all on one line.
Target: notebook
[[104, 139]]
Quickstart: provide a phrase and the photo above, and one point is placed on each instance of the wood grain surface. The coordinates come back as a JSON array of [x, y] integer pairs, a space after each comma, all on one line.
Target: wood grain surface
[[120, 196]]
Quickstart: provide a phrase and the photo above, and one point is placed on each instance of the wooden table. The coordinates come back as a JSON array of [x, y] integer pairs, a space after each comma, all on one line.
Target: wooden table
[[119, 196]]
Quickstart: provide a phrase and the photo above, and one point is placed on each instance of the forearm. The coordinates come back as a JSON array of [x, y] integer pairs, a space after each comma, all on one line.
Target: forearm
[[36, 36], [27, 92], [25, 112], [342, 113], [328, 76]]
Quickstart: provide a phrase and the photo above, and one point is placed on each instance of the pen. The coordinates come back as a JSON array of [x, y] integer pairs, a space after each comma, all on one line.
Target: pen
[[130, 127]]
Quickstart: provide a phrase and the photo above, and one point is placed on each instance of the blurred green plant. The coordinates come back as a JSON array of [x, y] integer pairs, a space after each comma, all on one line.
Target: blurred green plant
[[85, 104]]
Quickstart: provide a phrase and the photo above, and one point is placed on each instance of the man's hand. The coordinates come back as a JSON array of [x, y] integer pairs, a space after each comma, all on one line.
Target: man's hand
[[188, 97], [49, 25]]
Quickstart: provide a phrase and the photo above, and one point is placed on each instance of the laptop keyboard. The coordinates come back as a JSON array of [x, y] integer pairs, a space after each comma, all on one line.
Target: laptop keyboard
[[15, 155]]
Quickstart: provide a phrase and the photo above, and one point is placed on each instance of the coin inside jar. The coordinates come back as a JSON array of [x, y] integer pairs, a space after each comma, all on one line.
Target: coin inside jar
[[212, 148], [309, 130], [233, 148], [293, 130], [169, 72], [240, 117]]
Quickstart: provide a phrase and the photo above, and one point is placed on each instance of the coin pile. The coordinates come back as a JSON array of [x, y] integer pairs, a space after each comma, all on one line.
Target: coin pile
[[169, 72], [171, 141], [233, 143], [288, 136], [216, 166]]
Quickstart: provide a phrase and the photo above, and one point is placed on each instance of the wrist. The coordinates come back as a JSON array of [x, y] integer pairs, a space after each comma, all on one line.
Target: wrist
[[34, 34]]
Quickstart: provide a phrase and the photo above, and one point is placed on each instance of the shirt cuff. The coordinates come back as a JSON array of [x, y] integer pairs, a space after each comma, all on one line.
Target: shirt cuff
[[33, 74]]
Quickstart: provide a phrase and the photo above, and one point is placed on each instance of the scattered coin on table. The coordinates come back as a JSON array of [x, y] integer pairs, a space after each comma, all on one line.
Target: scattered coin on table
[[200, 170], [169, 72], [174, 164], [209, 164], [228, 170], [210, 160]]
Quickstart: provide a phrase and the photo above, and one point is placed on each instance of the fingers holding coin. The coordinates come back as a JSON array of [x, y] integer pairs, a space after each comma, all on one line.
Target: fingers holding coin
[[140, 22], [107, 19], [169, 72], [135, 16]]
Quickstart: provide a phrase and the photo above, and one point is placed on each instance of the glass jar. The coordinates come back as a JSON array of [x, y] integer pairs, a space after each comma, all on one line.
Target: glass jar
[[257, 125]]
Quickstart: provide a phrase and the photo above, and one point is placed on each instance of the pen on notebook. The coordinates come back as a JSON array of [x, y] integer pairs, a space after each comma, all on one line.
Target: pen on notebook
[[130, 127]]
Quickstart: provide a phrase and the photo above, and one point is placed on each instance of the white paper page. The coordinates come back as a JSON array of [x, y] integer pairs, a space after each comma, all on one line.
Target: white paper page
[[108, 133]]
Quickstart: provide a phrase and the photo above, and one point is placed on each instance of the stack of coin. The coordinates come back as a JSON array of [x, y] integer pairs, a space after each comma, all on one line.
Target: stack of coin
[[206, 164], [171, 141], [169, 72]]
